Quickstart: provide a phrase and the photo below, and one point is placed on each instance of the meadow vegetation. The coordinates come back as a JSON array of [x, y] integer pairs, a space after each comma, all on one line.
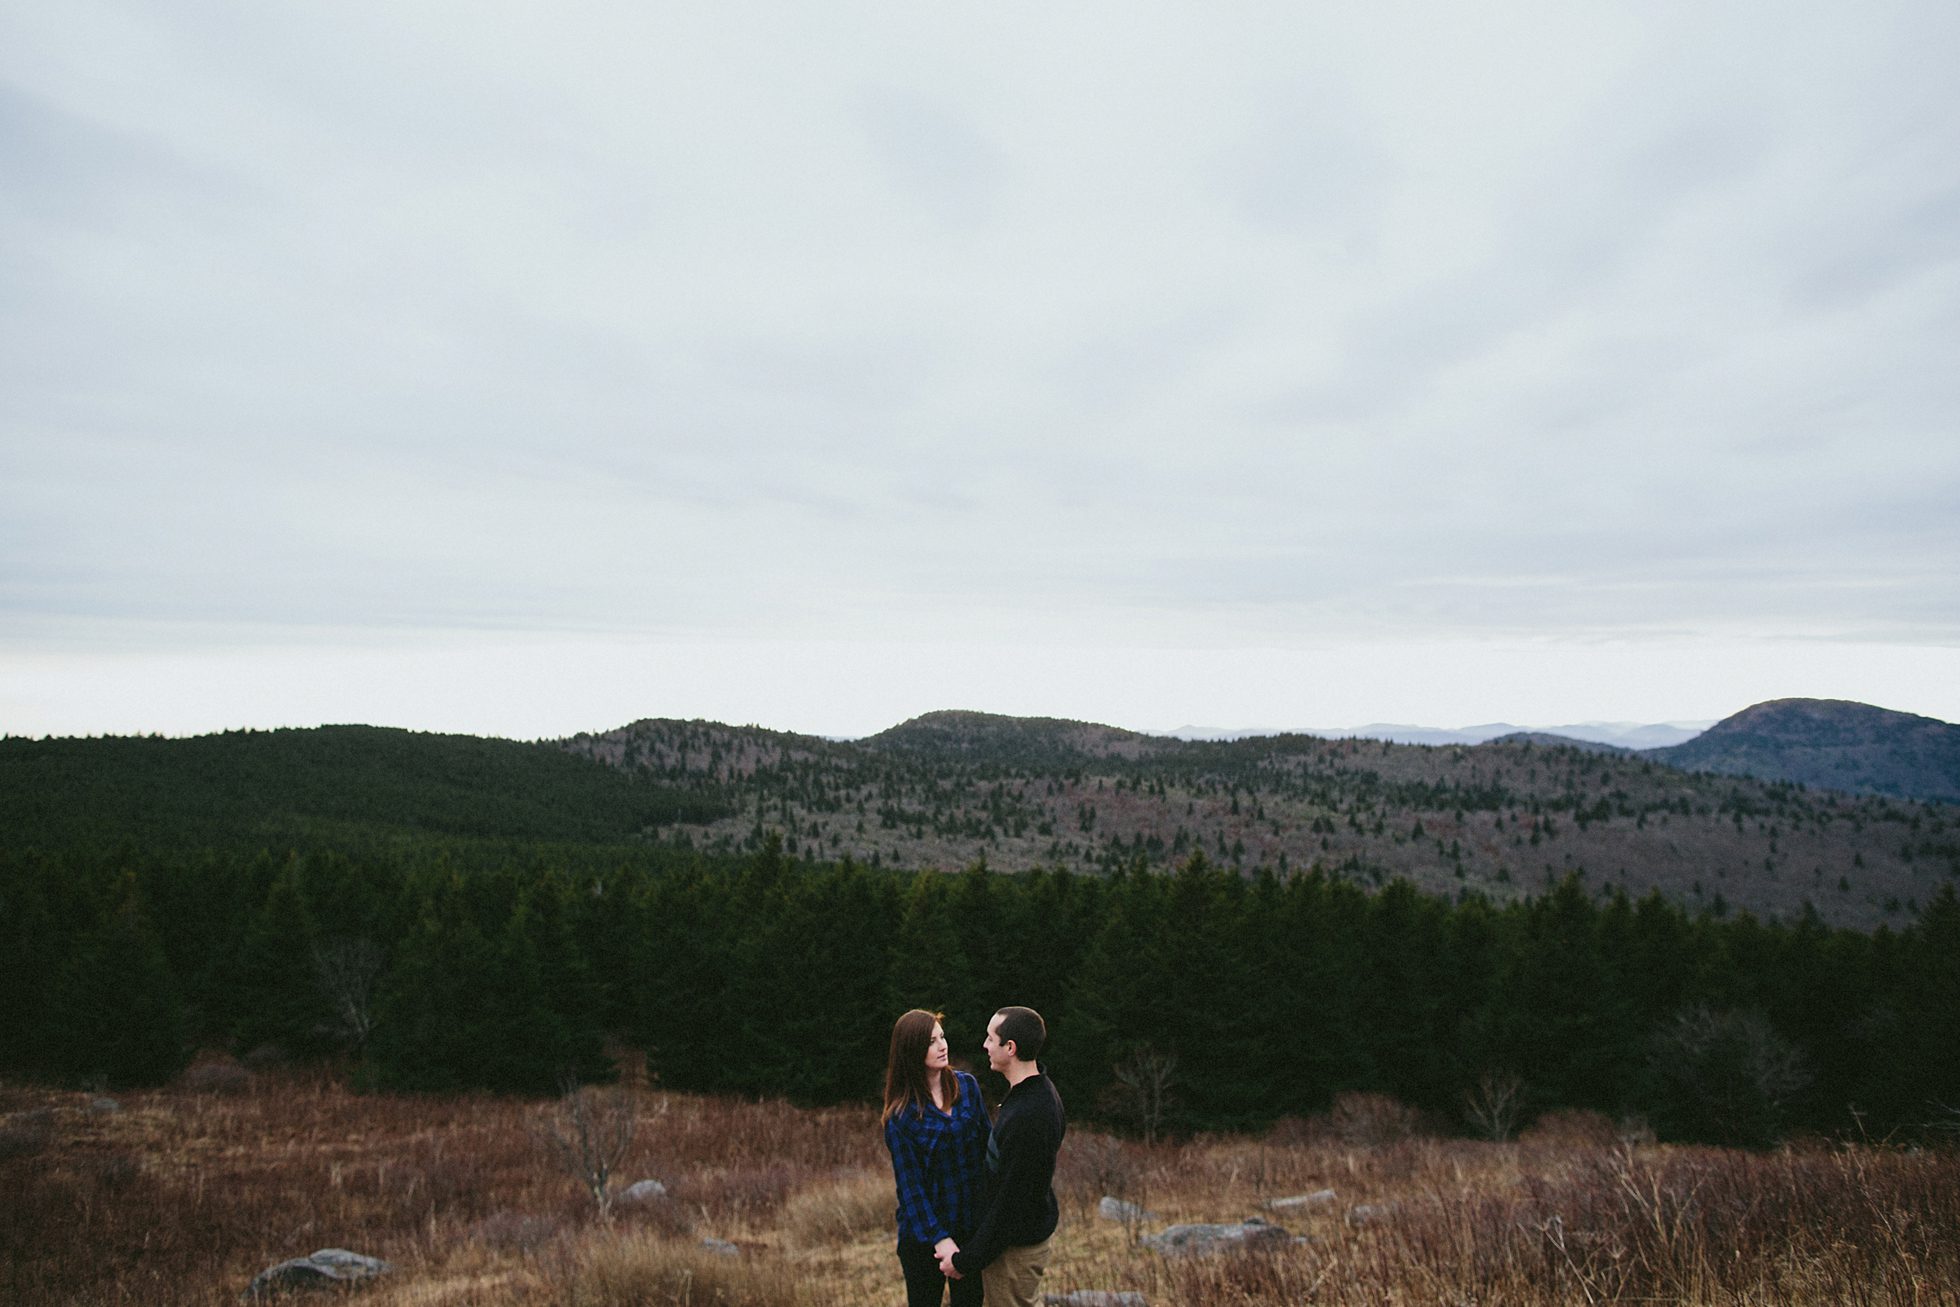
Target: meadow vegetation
[[179, 1195]]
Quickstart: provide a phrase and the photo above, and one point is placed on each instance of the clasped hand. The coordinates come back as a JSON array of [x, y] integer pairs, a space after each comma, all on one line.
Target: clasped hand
[[944, 1251]]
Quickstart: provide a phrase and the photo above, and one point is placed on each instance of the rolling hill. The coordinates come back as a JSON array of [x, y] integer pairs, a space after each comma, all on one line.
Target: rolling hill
[[1503, 818], [331, 784], [951, 789], [1830, 744]]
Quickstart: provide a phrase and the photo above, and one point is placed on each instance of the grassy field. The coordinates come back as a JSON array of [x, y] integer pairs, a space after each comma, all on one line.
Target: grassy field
[[181, 1195]]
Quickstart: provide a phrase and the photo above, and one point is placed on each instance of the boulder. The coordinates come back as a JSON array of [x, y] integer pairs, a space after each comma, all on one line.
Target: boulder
[[722, 1246], [1315, 1199], [642, 1191], [1116, 1209], [1179, 1240], [326, 1269], [1094, 1298], [1369, 1213]]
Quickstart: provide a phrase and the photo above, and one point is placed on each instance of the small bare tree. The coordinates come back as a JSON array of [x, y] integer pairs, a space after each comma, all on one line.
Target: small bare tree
[[348, 970], [1492, 1105], [586, 1135], [1725, 1075], [1142, 1090]]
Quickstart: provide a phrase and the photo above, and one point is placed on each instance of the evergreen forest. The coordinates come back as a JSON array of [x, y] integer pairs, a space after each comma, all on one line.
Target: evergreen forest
[[484, 915]]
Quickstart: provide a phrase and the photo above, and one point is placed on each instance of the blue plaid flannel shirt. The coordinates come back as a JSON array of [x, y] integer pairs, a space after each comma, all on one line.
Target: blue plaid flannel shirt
[[937, 1162]]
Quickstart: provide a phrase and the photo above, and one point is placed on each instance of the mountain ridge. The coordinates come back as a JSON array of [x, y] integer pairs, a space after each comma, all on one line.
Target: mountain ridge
[[1631, 735], [1834, 744], [1504, 818]]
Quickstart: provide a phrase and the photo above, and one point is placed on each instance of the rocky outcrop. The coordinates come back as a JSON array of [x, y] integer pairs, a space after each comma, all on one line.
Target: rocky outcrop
[[1197, 1238], [330, 1268], [1294, 1202], [1118, 1209]]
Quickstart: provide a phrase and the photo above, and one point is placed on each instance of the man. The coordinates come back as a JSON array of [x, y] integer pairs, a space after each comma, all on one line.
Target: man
[[1009, 1247]]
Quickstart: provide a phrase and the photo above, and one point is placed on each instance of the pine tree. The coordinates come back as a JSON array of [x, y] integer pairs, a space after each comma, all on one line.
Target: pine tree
[[680, 979], [1930, 1062], [30, 960], [929, 967], [434, 1029], [118, 1018], [276, 988], [1554, 1000], [1315, 998]]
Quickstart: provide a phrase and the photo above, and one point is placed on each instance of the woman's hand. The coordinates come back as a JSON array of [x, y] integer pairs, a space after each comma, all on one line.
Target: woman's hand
[[944, 1251]]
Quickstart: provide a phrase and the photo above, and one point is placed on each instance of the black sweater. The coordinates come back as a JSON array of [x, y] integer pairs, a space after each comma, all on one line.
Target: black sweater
[[1019, 1208]]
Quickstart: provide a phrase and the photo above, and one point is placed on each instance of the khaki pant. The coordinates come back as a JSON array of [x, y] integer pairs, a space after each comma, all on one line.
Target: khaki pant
[[1013, 1279]]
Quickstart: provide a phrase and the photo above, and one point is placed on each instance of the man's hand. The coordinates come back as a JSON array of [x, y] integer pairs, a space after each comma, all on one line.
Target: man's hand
[[944, 1251]]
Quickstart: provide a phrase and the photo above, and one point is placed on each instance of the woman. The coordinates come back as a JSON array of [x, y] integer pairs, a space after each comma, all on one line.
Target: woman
[[936, 1128]]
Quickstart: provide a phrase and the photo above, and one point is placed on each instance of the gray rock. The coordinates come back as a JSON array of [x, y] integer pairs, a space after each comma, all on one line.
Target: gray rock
[[1315, 1199], [104, 1104], [722, 1246], [643, 1191], [1116, 1209], [1094, 1298], [1369, 1213], [328, 1268], [1179, 1240]]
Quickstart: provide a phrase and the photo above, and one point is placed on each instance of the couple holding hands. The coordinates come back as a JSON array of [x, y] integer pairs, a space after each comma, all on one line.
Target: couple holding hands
[[976, 1200]]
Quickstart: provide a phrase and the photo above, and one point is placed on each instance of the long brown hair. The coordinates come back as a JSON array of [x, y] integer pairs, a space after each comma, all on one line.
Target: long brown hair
[[906, 1085]]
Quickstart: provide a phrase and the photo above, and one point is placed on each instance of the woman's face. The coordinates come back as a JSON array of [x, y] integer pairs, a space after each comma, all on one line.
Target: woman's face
[[936, 1050]]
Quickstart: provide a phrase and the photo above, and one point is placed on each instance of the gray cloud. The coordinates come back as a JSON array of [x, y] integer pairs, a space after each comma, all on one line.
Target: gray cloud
[[1277, 326]]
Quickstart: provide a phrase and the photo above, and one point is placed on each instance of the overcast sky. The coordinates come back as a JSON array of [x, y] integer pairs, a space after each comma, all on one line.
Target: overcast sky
[[523, 369]]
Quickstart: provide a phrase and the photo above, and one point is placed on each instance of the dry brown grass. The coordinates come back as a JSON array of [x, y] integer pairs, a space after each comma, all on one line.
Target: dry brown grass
[[182, 1195], [849, 1206]]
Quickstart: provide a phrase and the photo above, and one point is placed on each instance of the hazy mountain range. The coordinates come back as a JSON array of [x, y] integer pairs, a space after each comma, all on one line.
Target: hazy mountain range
[[1505, 817], [1844, 808], [1625, 735]]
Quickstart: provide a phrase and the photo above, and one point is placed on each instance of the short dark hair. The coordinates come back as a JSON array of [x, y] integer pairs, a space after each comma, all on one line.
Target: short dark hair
[[1024, 1026]]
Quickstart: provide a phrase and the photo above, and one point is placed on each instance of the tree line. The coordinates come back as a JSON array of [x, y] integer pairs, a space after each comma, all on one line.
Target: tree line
[[1241, 998]]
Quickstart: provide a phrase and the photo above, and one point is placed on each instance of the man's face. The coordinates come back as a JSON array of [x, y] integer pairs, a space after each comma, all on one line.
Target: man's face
[[998, 1054]]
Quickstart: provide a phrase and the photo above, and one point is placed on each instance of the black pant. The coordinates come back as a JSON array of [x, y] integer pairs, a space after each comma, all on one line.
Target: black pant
[[925, 1286]]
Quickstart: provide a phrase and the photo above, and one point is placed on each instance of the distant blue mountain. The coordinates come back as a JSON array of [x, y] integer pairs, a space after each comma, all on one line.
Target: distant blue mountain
[[1624, 735], [1830, 744]]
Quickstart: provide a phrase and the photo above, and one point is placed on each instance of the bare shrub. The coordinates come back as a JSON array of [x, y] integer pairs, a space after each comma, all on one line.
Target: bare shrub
[[1094, 1165], [839, 1208], [1358, 1118], [586, 1136], [348, 972], [1493, 1104], [1142, 1092], [1724, 1076], [1634, 1129]]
